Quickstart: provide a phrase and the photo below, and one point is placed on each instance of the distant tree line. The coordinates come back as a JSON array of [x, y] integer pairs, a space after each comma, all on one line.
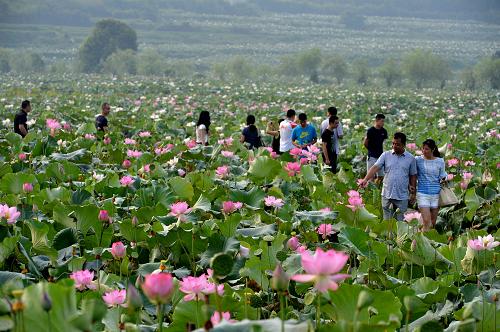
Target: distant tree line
[[112, 48]]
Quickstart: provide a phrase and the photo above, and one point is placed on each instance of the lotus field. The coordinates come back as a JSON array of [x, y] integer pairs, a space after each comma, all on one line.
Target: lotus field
[[144, 230]]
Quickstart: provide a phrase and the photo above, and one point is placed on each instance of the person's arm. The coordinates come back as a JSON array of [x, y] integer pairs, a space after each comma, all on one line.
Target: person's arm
[[242, 138], [340, 131], [325, 153], [369, 175], [23, 130], [365, 142]]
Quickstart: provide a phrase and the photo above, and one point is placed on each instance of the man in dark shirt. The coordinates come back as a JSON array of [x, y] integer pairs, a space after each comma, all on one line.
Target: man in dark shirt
[[328, 145], [101, 122], [21, 119], [374, 142]]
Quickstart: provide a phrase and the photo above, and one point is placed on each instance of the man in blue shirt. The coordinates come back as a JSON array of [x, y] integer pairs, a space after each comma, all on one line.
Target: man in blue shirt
[[400, 178], [304, 134]]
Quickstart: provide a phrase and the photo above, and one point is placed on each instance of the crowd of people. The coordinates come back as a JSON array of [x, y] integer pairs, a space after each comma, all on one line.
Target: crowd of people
[[405, 178]]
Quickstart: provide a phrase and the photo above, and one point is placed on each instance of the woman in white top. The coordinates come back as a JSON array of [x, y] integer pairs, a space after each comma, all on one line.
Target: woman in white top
[[202, 128]]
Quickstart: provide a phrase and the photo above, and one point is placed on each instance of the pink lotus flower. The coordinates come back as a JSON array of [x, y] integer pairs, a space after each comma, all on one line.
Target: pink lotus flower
[[27, 187], [326, 209], [411, 146], [107, 140], [313, 149], [181, 172], [468, 163], [162, 150], [218, 317], [179, 210], [467, 176], [322, 268], [9, 213], [158, 287], [127, 181], [453, 162], [144, 134], [103, 215], [22, 156], [230, 206], [83, 279], [273, 202], [450, 177], [293, 243], [115, 297], [196, 287], [292, 168], [483, 243], [134, 153], [66, 126], [222, 171], [53, 124], [227, 154], [353, 193], [304, 161], [355, 200], [464, 184], [296, 152], [325, 230], [191, 144], [126, 163], [118, 250], [412, 216], [129, 141], [89, 136]]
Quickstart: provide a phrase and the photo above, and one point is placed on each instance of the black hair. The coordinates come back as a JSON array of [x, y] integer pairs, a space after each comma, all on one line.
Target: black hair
[[302, 117], [401, 137], [379, 116], [204, 119], [290, 113], [431, 144], [332, 110], [104, 104], [25, 104], [333, 118], [251, 123], [280, 121]]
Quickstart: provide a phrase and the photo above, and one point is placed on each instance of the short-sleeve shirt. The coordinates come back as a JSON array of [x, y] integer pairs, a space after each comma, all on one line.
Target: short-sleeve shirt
[[199, 130], [337, 132], [429, 175], [303, 135], [398, 169], [21, 118], [326, 137], [376, 139], [101, 122], [252, 137], [286, 129]]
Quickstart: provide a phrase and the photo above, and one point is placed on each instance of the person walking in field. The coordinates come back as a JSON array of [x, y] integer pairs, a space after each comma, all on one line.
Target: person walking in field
[[374, 143], [304, 134], [273, 129], [430, 173], [286, 127], [338, 132], [328, 145], [101, 121], [250, 134], [203, 128], [21, 119], [399, 180]]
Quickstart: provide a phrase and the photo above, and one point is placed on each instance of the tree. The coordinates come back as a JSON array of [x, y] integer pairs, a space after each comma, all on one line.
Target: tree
[[489, 71], [239, 68], [5, 57], [390, 72], [27, 62], [107, 37], [150, 62], [423, 67], [469, 78], [335, 66], [308, 63], [121, 62], [361, 72]]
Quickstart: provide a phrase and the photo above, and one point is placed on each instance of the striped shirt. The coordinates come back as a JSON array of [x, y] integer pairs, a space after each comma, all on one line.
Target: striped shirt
[[398, 169], [429, 174]]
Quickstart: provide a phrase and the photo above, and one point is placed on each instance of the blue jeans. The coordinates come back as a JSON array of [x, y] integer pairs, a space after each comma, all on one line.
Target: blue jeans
[[390, 206]]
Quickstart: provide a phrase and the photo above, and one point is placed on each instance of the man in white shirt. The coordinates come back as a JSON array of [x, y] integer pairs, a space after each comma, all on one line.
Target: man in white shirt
[[338, 132], [286, 128]]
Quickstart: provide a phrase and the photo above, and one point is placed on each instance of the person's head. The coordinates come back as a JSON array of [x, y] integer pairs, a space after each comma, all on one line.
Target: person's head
[[204, 119], [303, 119], [379, 120], [251, 122], [430, 149], [290, 114], [105, 109], [333, 122], [26, 106], [332, 111], [399, 142]]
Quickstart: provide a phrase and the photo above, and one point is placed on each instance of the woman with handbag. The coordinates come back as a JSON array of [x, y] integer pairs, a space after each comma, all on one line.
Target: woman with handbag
[[430, 173]]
